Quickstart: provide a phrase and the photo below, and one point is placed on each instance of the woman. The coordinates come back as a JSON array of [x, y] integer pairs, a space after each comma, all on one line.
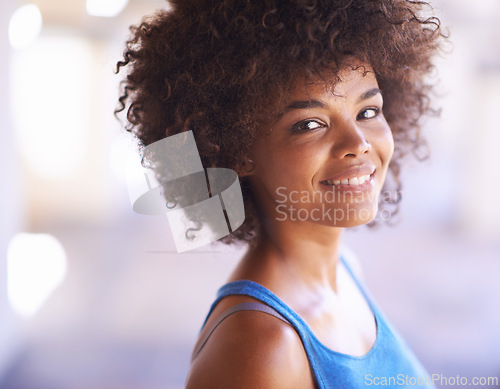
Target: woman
[[312, 102]]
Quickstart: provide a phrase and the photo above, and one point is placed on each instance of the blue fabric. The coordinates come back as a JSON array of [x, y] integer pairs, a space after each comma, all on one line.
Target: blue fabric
[[389, 363]]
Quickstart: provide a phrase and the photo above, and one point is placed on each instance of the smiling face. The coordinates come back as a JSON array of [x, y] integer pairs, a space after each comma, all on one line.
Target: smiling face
[[325, 159]]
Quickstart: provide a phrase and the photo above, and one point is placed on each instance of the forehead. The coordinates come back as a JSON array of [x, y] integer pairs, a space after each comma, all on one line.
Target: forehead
[[349, 82]]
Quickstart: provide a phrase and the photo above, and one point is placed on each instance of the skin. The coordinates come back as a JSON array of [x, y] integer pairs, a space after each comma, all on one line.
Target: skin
[[320, 134]]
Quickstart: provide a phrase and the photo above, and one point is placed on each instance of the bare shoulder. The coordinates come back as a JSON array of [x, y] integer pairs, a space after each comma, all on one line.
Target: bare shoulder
[[251, 349]]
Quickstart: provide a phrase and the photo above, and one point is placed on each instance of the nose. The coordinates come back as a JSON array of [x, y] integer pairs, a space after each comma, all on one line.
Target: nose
[[349, 141]]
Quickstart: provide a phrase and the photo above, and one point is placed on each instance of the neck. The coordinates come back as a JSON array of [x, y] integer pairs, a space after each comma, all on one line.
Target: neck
[[292, 256]]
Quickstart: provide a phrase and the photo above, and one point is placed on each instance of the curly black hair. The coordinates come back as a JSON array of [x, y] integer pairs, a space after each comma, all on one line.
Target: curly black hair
[[222, 68]]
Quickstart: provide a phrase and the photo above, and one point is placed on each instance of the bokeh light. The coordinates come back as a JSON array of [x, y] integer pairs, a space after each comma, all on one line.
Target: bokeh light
[[36, 265], [25, 26]]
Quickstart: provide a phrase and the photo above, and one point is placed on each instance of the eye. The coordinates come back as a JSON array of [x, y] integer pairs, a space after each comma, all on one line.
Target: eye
[[368, 113], [307, 125]]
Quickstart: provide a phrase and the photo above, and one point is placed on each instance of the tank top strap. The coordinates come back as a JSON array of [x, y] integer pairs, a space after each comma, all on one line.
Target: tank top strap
[[362, 287], [267, 297], [246, 306]]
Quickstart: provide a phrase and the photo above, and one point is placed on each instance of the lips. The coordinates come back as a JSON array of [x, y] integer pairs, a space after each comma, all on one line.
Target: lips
[[354, 176]]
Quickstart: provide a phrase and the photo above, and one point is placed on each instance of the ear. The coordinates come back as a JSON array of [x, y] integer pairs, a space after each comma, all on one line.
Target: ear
[[245, 168]]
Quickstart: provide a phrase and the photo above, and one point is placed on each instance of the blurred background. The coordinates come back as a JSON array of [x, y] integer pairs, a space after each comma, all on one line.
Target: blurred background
[[95, 296]]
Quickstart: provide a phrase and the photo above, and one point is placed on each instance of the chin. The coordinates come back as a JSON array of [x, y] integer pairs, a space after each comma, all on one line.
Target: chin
[[346, 215], [354, 216], [353, 223]]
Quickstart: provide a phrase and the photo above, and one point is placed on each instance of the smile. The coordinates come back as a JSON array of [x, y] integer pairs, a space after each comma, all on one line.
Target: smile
[[349, 181], [356, 176]]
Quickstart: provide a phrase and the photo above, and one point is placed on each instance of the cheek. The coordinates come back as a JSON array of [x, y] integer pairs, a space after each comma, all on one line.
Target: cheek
[[390, 146], [385, 145], [287, 166]]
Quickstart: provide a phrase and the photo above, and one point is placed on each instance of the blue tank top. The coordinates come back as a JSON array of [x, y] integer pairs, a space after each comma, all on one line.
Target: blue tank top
[[389, 363]]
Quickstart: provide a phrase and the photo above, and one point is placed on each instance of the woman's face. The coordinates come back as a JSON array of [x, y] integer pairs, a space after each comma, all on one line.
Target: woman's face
[[325, 159]]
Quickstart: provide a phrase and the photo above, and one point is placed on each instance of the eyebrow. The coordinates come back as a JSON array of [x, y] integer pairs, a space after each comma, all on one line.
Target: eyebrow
[[309, 104], [369, 94], [305, 104]]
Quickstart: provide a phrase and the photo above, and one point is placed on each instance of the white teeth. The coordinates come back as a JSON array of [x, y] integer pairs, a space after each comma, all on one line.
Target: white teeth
[[350, 181]]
